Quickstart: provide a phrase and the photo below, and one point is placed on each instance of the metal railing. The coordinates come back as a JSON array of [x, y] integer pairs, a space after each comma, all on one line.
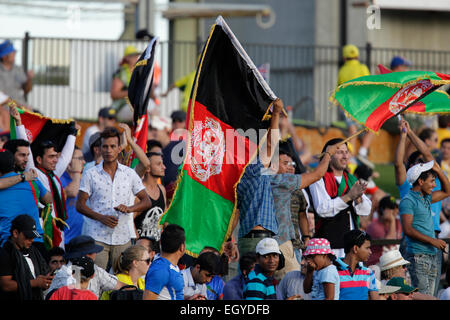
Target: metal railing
[[73, 76]]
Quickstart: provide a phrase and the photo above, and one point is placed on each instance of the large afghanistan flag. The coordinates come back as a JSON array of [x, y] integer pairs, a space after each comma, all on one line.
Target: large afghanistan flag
[[139, 91], [230, 102], [371, 100]]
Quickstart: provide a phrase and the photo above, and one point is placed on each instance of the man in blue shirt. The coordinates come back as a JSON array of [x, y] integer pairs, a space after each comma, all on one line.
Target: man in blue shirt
[[255, 204], [164, 280], [417, 224], [423, 154], [21, 198]]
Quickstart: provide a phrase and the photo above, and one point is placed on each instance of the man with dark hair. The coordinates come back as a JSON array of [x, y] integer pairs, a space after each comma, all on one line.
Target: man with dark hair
[[357, 282], [196, 277], [110, 187], [260, 284], [146, 222], [338, 199], [107, 117], [56, 258], [50, 164], [78, 247], [421, 155], [417, 223], [20, 149], [154, 146], [283, 184], [233, 289], [24, 273], [386, 226], [151, 244], [164, 280], [19, 198]]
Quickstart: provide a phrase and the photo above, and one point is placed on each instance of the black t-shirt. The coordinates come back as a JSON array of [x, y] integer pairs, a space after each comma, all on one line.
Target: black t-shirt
[[7, 267]]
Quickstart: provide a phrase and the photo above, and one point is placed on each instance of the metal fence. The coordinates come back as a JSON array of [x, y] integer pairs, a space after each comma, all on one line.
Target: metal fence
[[73, 76]]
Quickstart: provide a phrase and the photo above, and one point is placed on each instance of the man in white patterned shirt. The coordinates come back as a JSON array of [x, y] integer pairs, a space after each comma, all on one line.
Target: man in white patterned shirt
[[110, 187]]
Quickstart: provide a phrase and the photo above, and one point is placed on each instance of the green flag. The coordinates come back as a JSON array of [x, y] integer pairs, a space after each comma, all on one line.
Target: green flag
[[371, 100]]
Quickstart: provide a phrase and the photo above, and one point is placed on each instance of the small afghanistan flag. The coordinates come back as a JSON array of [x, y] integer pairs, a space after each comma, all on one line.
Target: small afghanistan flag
[[139, 91], [40, 129], [230, 102], [371, 100]]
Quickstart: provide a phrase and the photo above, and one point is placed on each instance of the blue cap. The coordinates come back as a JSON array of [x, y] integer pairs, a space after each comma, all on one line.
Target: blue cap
[[6, 47], [399, 61]]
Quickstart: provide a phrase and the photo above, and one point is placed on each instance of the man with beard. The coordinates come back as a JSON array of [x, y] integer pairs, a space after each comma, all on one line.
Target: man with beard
[[146, 223], [24, 195], [338, 200], [24, 273]]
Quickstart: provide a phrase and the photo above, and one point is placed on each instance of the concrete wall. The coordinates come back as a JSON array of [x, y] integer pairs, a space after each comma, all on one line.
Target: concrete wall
[[412, 30]]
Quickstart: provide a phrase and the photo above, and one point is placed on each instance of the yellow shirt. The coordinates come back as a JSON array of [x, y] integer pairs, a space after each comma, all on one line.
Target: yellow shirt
[[352, 69], [442, 133], [185, 84], [125, 278]]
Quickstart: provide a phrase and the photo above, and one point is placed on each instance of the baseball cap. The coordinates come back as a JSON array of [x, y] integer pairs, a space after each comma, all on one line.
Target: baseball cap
[[399, 61], [266, 246], [400, 282], [25, 224], [130, 50], [415, 171], [107, 112], [350, 51], [6, 47], [94, 138]]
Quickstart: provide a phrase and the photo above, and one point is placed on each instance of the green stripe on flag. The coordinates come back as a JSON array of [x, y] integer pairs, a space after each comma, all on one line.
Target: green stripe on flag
[[209, 214]]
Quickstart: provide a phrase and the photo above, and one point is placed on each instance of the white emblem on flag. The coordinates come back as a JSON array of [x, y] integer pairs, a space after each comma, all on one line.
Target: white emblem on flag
[[408, 94], [29, 135], [208, 148]]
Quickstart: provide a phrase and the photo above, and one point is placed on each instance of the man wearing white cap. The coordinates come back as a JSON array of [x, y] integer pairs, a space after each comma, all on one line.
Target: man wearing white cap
[[260, 283], [417, 224]]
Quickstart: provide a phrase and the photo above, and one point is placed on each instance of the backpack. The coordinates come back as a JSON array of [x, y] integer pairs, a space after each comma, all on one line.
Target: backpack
[[129, 292]]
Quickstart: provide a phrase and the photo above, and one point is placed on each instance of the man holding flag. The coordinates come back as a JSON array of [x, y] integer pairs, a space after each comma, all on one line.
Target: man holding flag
[[50, 166]]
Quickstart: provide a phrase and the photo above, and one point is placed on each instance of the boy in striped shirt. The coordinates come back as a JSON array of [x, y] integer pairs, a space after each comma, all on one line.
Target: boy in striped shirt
[[357, 282], [260, 284]]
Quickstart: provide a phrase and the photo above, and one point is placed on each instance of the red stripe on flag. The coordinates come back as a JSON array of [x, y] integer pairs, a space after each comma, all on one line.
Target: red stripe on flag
[[398, 101], [443, 76], [220, 153], [417, 107], [33, 125]]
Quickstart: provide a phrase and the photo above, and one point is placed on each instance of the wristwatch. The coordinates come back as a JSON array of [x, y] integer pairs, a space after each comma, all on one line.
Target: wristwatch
[[22, 176]]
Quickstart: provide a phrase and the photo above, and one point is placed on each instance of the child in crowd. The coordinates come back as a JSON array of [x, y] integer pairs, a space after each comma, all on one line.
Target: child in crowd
[[322, 278]]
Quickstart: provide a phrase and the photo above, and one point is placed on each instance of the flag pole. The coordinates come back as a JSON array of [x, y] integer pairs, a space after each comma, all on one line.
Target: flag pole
[[346, 140]]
